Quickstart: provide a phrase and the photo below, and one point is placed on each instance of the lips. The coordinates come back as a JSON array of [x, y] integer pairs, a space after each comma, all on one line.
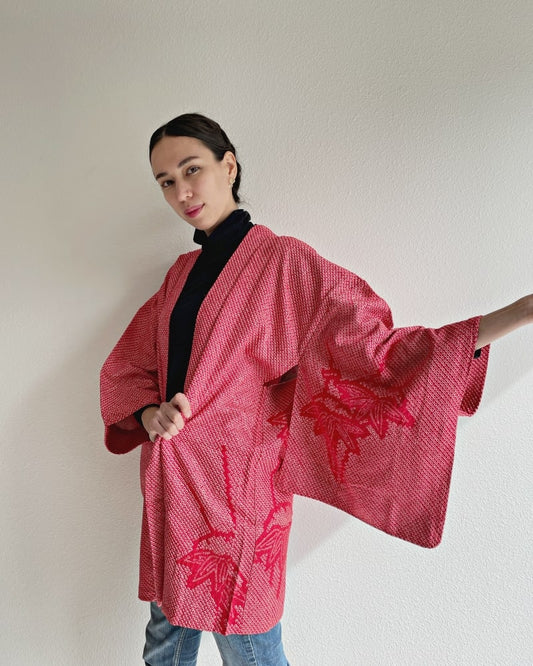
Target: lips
[[194, 211]]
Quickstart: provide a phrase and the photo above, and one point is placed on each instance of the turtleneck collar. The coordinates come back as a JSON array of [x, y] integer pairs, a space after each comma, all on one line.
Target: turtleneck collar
[[235, 225]]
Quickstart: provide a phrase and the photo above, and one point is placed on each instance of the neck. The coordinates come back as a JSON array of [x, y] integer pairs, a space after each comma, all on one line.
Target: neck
[[208, 232]]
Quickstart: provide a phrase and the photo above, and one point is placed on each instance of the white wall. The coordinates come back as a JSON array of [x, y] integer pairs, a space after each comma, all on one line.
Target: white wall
[[396, 138]]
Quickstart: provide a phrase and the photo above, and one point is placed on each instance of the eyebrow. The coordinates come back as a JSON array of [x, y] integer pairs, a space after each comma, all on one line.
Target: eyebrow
[[182, 163]]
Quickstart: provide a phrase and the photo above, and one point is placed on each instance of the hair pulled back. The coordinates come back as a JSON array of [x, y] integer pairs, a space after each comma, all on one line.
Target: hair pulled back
[[205, 130]]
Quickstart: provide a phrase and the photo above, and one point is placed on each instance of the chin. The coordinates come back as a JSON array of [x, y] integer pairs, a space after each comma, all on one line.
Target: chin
[[204, 226]]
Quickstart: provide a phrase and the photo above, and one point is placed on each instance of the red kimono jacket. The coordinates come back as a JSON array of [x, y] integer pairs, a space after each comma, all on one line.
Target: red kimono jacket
[[298, 383]]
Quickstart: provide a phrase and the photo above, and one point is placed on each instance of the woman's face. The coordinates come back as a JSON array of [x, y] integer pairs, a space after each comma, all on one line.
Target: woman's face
[[194, 182]]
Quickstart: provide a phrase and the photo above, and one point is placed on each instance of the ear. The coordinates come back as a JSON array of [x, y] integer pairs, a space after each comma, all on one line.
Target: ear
[[230, 163]]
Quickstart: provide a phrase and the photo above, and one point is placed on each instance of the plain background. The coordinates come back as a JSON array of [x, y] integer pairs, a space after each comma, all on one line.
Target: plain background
[[396, 138]]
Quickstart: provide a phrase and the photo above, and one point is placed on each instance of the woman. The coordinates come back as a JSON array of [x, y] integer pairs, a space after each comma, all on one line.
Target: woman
[[259, 370]]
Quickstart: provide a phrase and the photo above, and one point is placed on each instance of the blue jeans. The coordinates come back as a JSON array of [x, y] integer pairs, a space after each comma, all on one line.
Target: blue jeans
[[168, 645]]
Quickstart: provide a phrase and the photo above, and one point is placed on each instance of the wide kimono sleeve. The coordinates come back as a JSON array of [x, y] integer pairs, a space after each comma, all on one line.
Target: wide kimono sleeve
[[374, 413], [129, 380]]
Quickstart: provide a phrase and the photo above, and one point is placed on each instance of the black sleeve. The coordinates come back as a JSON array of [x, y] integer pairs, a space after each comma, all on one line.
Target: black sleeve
[[138, 414]]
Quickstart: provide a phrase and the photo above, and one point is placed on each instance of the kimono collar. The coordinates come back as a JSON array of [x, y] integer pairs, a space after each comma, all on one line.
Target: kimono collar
[[229, 232]]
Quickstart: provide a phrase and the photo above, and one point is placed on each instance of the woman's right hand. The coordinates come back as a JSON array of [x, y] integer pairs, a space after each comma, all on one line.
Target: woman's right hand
[[168, 419]]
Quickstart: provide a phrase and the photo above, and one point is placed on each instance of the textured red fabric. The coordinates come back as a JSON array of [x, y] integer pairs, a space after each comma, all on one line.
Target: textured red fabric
[[298, 383]]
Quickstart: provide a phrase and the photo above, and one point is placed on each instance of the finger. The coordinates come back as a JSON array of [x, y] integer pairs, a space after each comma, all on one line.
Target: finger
[[170, 427], [181, 401], [164, 433], [170, 416]]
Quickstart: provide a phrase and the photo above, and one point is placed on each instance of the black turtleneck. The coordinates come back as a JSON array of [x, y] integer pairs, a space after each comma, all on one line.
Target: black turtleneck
[[217, 249]]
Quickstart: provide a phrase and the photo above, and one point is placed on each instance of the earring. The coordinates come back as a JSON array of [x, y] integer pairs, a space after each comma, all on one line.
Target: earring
[[231, 183]]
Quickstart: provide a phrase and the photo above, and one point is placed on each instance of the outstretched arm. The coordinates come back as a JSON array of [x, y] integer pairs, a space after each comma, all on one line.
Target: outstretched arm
[[497, 324]]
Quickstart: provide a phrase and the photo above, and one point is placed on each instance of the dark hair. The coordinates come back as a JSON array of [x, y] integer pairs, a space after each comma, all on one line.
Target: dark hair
[[205, 130]]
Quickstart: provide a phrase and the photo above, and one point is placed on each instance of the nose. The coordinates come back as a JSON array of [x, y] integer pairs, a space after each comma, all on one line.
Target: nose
[[183, 191]]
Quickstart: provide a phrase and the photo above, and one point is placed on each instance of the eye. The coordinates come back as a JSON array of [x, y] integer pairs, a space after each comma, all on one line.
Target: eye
[[192, 170], [166, 183]]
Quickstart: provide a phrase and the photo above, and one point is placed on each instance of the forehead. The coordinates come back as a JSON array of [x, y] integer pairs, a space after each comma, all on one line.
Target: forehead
[[171, 150]]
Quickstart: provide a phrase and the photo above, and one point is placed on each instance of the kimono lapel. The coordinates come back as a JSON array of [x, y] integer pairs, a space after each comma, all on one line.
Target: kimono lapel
[[214, 301], [174, 289]]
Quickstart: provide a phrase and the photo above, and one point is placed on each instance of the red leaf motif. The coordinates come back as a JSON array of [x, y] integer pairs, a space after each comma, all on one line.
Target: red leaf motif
[[271, 546], [227, 586], [375, 410], [331, 376], [346, 411], [281, 419], [338, 427]]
